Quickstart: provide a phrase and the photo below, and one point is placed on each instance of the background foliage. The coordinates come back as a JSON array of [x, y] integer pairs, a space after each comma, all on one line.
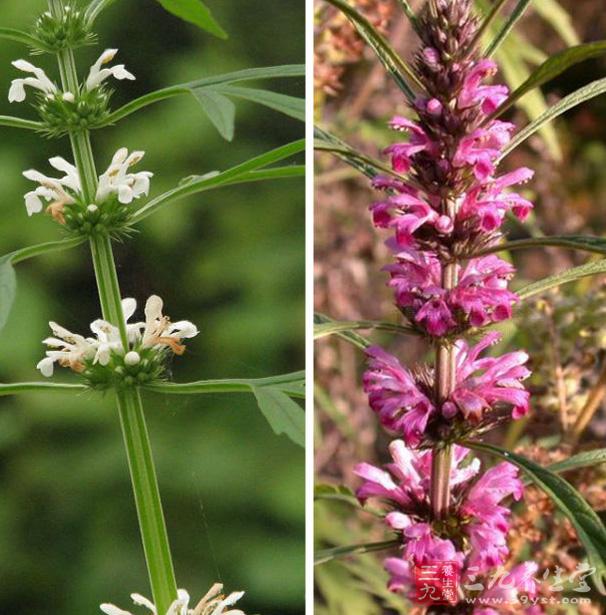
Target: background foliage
[[232, 262]]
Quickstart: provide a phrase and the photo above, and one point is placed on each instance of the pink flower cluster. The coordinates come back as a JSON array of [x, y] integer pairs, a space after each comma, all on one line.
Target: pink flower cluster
[[476, 518], [406, 405]]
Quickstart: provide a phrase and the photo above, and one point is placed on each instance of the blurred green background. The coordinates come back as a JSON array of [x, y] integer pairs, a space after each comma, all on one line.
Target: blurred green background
[[232, 261]]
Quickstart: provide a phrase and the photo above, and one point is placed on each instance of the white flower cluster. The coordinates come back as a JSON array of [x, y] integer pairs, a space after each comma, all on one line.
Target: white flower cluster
[[62, 191], [97, 75], [72, 350], [214, 603]]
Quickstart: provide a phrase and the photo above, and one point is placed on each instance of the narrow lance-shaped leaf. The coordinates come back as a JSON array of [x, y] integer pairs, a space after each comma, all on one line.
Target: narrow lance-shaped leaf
[[552, 67], [195, 12], [410, 14], [289, 105], [507, 26], [248, 74], [94, 9], [216, 179], [220, 111], [589, 527], [394, 64], [583, 243], [325, 555], [347, 335], [335, 326], [572, 100], [19, 36], [581, 460], [17, 122], [41, 387], [487, 22], [283, 414], [576, 273]]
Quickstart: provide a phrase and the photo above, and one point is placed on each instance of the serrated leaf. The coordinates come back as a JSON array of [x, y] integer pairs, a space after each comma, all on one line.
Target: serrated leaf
[[8, 289], [393, 63], [289, 105], [283, 414], [196, 12], [589, 527], [572, 100], [220, 111], [552, 67], [570, 275]]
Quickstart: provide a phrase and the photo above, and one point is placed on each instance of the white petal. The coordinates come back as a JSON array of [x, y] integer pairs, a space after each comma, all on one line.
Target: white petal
[[125, 194], [129, 305], [25, 66], [16, 92], [33, 204], [107, 56], [153, 308], [120, 72], [183, 329], [140, 600], [61, 164], [46, 367], [110, 609]]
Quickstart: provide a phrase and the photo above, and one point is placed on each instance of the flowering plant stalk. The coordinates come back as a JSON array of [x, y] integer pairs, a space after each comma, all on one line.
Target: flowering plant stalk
[[122, 356], [444, 206]]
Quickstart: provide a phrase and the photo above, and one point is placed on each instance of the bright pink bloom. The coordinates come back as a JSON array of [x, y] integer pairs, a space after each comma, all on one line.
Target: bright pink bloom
[[482, 147], [395, 396], [401, 153], [484, 382], [473, 92], [508, 588]]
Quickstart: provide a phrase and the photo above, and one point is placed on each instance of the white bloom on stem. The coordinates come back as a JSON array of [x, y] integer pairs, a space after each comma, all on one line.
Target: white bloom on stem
[[214, 603], [159, 331], [57, 192], [39, 81], [118, 180], [67, 349], [97, 74]]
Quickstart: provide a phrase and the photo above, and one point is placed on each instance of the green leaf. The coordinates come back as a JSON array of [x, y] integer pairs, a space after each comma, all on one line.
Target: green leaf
[[292, 384], [8, 289], [488, 21], [507, 26], [559, 19], [572, 100], [589, 527], [248, 74], [410, 14], [552, 67], [40, 387], [581, 460], [21, 37], [220, 111], [325, 555], [216, 179], [584, 243], [8, 281], [576, 273], [17, 122], [347, 334], [289, 105], [340, 493], [94, 9], [283, 414], [194, 11], [334, 326], [393, 63]]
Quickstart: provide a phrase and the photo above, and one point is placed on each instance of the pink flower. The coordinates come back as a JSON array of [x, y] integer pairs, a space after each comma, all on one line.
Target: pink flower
[[473, 93], [507, 589], [395, 396], [402, 153], [482, 291], [488, 204], [482, 383], [482, 147]]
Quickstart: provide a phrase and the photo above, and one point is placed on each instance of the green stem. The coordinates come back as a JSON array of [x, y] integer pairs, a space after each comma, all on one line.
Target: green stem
[[132, 419], [147, 499]]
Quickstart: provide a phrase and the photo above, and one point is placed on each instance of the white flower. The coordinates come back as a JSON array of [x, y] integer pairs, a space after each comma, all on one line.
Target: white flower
[[97, 75], [159, 331], [39, 81], [118, 180], [69, 350], [53, 190], [59, 192], [212, 604]]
